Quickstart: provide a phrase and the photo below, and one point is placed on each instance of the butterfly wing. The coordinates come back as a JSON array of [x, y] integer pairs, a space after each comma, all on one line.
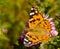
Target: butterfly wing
[[35, 17], [37, 31], [30, 39], [48, 26], [35, 36]]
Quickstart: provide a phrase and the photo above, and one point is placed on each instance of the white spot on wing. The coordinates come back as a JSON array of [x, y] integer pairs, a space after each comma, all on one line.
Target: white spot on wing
[[31, 8], [32, 13], [36, 11], [29, 43], [31, 19], [25, 40]]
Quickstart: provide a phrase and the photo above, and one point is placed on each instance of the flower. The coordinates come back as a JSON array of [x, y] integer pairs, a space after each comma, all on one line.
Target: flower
[[27, 25], [54, 33], [5, 30], [23, 35]]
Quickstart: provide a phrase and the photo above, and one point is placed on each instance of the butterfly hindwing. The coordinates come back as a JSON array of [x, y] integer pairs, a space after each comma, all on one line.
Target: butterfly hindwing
[[30, 39]]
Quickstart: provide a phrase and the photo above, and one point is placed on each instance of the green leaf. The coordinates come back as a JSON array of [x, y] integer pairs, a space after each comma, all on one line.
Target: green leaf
[[4, 38]]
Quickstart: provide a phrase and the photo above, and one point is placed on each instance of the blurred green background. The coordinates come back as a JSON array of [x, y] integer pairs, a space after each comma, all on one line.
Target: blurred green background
[[13, 17]]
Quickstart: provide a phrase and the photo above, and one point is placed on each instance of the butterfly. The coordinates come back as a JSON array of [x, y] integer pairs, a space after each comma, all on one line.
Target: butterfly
[[38, 30]]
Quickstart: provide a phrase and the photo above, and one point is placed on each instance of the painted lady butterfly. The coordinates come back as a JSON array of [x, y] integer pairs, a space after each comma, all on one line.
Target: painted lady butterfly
[[39, 29]]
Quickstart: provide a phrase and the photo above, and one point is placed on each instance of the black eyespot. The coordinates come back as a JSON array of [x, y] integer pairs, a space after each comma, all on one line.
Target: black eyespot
[[38, 19], [27, 34], [34, 38], [40, 23], [30, 36], [33, 20], [30, 21], [45, 23]]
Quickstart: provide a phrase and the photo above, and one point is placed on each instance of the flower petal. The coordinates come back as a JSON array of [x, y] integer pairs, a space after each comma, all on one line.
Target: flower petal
[[52, 23], [53, 28], [50, 19], [54, 33]]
